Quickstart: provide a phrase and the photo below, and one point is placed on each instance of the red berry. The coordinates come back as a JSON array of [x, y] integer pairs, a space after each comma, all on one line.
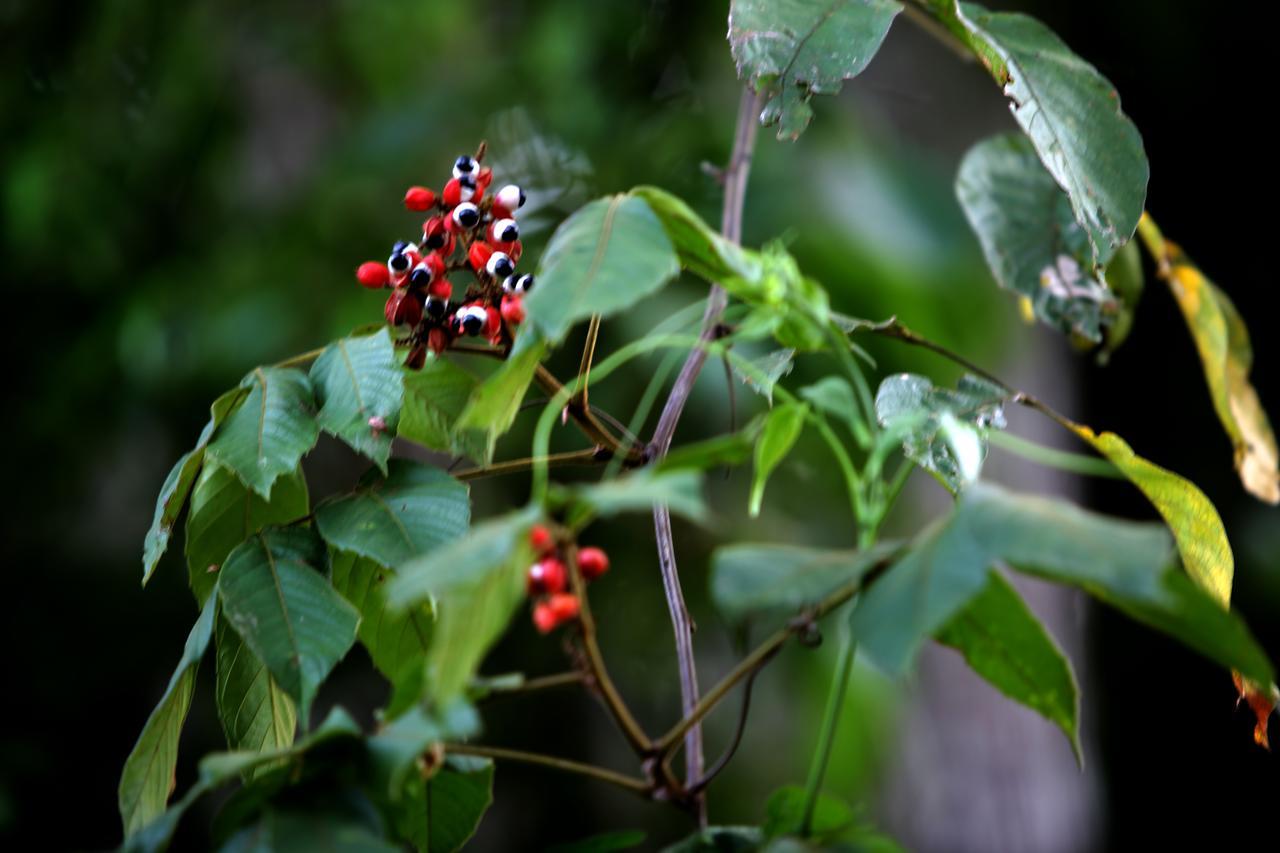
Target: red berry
[[437, 237], [547, 576], [541, 539], [373, 275], [440, 289], [419, 198], [592, 562], [493, 324], [478, 255], [438, 340], [564, 605], [544, 618], [403, 308], [513, 309], [483, 178]]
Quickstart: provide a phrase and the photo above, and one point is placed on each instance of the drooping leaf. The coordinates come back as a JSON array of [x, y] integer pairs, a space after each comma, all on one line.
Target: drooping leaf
[[1004, 642], [443, 812], [781, 430], [1070, 112], [790, 51], [1227, 356], [911, 404], [397, 640], [495, 402], [274, 594], [173, 494], [1030, 238], [268, 434], [147, 779], [224, 512], [769, 369], [1125, 564], [476, 582], [609, 255], [750, 581], [434, 398], [680, 490], [414, 509], [359, 388], [256, 714]]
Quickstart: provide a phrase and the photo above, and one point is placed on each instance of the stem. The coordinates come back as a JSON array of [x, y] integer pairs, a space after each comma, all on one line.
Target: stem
[[588, 353], [735, 187], [533, 685], [592, 456], [585, 419], [630, 783], [827, 736]]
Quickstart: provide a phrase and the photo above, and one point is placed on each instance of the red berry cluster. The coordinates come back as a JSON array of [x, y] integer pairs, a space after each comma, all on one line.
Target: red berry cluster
[[466, 231], [548, 579]]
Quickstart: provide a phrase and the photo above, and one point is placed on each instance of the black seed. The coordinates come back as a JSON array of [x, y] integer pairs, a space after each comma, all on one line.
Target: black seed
[[502, 267], [436, 307], [420, 277], [399, 247], [464, 163], [399, 262]]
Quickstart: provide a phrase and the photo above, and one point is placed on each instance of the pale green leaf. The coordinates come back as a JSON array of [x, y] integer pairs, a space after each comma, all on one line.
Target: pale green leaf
[[359, 388], [765, 372], [680, 490], [781, 430]]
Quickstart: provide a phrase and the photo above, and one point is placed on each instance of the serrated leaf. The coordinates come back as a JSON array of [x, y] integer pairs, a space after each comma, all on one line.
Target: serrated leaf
[[224, 513], [680, 490], [444, 811], [477, 582], [1030, 237], [791, 50], [397, 640], [782, 428], [256, 714], [752, 581], [414, 509], [1125, 564], [177, 485], [1004, 642], [356, 381], [1070, 112], [495, 402], [609, 255], [434, 398], [1222, 340], [270, 432], [274, 594], [910, 403], [766, 371], [147, 779]]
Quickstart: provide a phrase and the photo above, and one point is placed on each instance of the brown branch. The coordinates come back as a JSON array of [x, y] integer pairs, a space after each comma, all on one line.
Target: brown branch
[[735, 187], [603, 774], [570, 459], [587, 422], [534, 685]]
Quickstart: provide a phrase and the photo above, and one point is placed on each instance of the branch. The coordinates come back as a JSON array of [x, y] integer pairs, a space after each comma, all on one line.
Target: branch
[[630, 783], [586, 420], [573, 458], [735, 187], [533, 685]]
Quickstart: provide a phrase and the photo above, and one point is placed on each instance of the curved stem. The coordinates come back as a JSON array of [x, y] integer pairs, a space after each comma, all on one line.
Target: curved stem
[[827, 736], [603, 774]]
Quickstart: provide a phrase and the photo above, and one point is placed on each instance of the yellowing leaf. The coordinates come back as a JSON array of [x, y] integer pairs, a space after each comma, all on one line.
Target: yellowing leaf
[[1197, 527], [1223, 342]]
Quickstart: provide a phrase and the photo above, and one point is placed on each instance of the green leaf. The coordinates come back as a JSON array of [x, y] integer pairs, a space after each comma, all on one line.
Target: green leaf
[[781, 429], [784, 814], [477, 582], [290, 831], [267, 436], [415, 509], [357, 380], [719, 839], [609, 255], [256, 714], [1071, 114], [701, 249], [395, 749], [1227, 356], [444, 811], [397, 640], [275, 596], [1126, 564], [173, 494], [434, 398], [495, 402], [224, 513], [834, 395], [1030, 237], [942, 430], [732, 449], [790, 51], [750, 581], [147, 779], [680, 490], [766, 371], [1004, 642]]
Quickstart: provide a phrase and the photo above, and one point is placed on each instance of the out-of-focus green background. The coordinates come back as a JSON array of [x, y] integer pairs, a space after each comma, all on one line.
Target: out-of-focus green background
[[185, 189]]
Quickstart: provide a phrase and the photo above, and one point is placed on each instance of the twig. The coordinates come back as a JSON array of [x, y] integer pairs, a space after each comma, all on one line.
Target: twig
[[588, 353], [603, 774], [534, 685], [590, 425], [572, 458], [735, 186], [725, 757]]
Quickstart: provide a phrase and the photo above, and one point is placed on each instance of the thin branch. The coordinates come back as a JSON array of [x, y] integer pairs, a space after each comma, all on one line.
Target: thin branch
[[588, 353], [534, 685], [590, 425], [573, 458], [735, 187], [725, 757], [603, 774]]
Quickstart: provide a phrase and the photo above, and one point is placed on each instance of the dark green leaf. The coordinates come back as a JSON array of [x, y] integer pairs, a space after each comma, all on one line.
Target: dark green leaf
[[147, 778], [289, 831], [749, 581], [781, 429], [784, 814], [395, 749], [359, 388], [1030, 238], [415, 509], [267, 436], [791, 51], [274, 595], [607, 256], [495, 402], [1004, 642], [434, 398], [256, 714], [942, 430], [680, 490], [443, 812], [477, 582], [224, 513], [1071, 114]]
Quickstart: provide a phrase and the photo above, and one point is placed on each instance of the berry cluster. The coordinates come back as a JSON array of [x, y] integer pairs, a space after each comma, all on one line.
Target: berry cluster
[[466, 231], [548, 579]]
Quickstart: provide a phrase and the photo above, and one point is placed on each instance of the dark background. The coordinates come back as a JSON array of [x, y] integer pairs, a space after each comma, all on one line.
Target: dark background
[[186, 188]]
